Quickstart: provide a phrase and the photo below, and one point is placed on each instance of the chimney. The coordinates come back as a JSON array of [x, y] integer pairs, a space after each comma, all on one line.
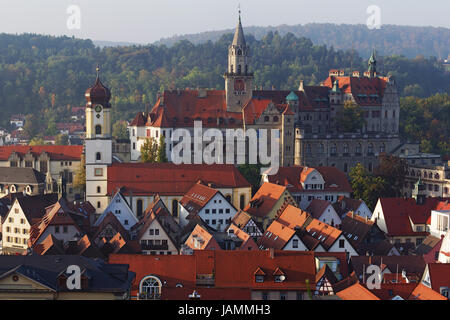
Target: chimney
[[272, 253]]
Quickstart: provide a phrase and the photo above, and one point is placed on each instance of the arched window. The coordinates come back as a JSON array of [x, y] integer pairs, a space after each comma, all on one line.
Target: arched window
[[242, 202], [266, 119], [239, 69], [346, 149], [228, 197], [98, 129], [358, 150], [150, 288], [98, 156], [232, 69], [175, 208], [99, 189], [333, 149], [139, 208], [321, 148], [370, 149], [275, 119]]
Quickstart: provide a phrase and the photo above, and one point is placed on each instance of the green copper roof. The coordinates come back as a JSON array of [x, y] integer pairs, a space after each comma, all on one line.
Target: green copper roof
[[292, 97]]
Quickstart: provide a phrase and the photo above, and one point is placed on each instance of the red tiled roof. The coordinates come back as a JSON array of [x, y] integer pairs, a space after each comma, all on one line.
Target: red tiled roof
[[276, 236], [55, 152], [317, 232], [139, 121], [359, 87], [197, 197], [236, 269], [422, 292], [265, 199], [56, 215], [293, 217], [439, 275], [356, 292], [202, 237], [170, 179], [292, 177], [398, 211], [317, 207]]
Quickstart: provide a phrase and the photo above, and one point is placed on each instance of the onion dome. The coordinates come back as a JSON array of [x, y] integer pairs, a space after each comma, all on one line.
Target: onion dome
[[98, 94]]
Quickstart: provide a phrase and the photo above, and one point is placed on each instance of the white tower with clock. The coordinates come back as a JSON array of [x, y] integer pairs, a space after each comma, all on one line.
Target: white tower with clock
[[98, 144]]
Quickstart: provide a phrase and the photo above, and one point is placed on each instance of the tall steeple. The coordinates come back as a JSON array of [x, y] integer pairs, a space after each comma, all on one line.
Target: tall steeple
[[372, 65], [238, 79], [239, 38]]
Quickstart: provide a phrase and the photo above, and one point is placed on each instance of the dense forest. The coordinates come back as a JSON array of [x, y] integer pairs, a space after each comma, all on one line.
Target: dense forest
[[409, 41], [44, 76]]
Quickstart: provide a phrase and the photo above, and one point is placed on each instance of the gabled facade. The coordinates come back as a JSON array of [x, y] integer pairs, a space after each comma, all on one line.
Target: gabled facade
[[157, 232], [269, 202], [405, 220], [24, 213], [209, 204], [346, 205], [244, 221], [58, 222], [436, 277], [119, 207], [306, 184], [323, 210]]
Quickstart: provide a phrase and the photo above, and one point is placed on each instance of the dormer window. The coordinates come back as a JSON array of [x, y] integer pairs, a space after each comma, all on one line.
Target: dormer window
[[259, 279]]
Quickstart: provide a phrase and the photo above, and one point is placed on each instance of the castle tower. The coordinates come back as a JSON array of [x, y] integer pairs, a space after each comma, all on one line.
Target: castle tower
[[98, 144], [238, 79]]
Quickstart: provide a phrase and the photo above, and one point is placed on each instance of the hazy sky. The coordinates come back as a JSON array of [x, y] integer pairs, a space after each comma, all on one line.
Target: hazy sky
[[146, 21]]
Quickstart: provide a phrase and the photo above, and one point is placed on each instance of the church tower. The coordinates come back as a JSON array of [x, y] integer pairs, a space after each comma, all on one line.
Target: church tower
[[238, 79], [98, 144], [372, 65]]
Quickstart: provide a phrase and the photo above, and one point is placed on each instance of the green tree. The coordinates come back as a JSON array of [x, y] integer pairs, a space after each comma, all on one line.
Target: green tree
[[149, 151], [120, 130], [36, 141], [62, 140], [252, 173], [32, 126], [162, 156], [351, 118], [393, 171], [366, 186], [79, 181]]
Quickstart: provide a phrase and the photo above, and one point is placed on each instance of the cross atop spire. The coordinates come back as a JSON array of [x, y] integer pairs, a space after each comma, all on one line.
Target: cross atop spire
[[98, 72], [239, 39]]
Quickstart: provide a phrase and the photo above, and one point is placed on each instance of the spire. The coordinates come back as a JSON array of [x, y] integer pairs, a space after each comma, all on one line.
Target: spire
[[372, 64], [239, 39]]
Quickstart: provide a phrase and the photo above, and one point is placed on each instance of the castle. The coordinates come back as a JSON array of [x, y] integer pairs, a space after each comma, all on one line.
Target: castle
[[306, 117], [307, 120]]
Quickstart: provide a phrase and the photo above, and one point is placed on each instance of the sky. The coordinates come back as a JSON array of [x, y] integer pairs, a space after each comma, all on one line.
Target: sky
[[147, 21]]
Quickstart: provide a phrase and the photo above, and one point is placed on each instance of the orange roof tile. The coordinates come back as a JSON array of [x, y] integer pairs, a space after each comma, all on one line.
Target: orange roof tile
[[265, 199], [356, 292]]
